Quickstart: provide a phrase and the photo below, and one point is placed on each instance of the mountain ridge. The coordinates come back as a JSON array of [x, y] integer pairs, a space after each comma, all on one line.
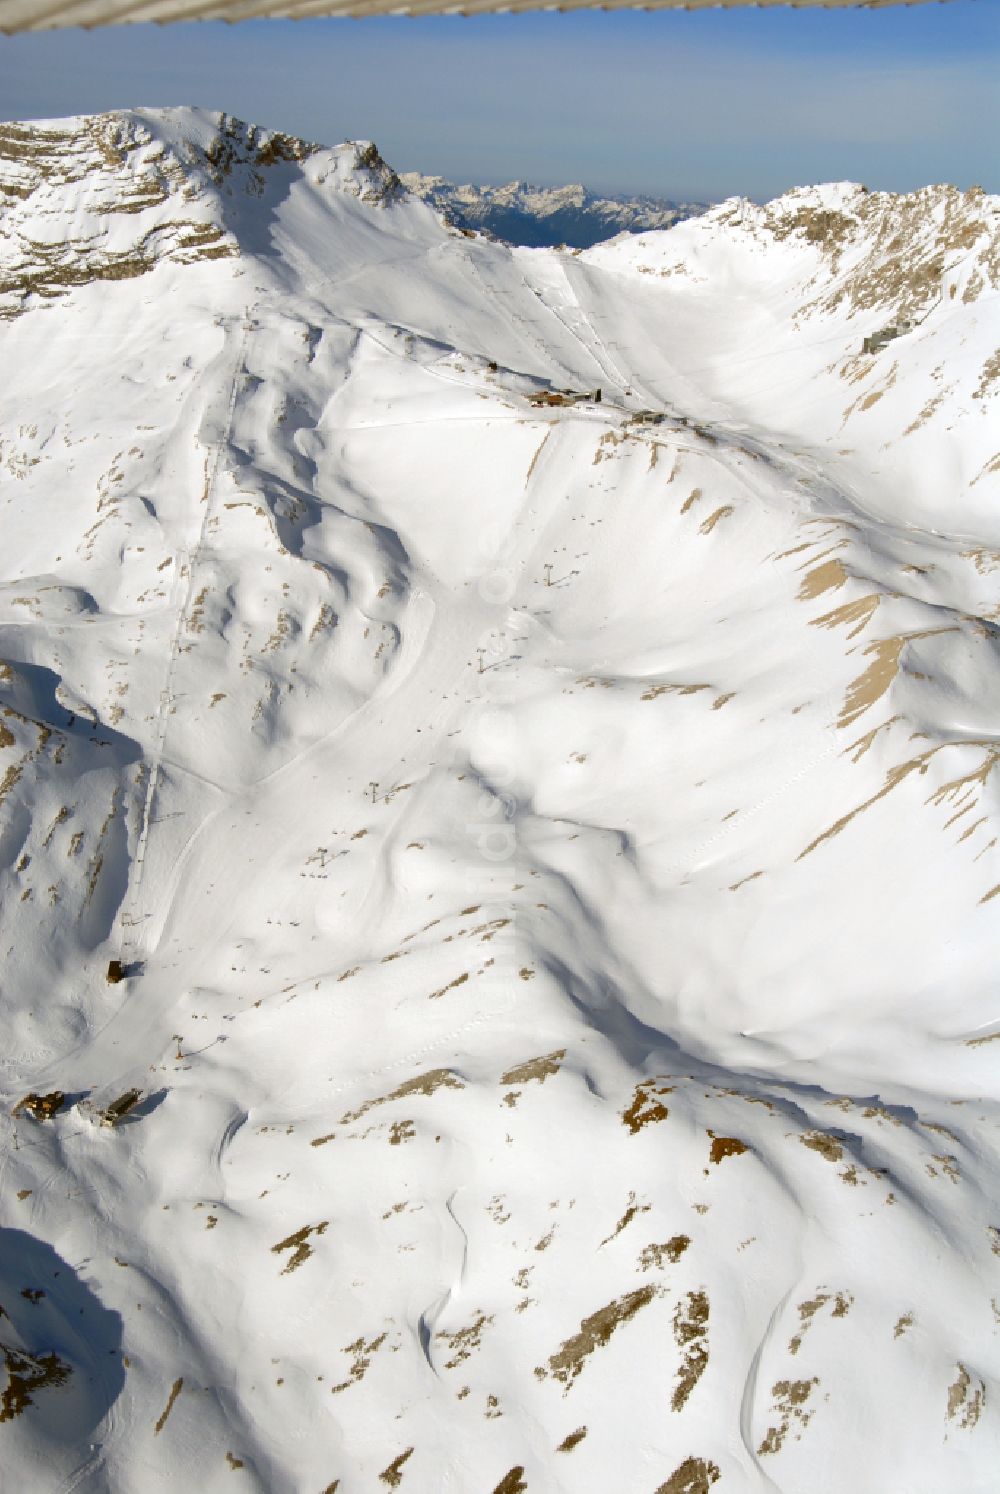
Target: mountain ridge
[[545, 216]]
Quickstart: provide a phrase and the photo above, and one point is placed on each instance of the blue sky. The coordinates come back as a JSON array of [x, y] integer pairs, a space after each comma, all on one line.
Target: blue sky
[[680, 105]]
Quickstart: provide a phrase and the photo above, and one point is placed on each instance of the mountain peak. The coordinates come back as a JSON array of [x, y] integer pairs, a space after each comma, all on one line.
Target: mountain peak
[[150, 185]]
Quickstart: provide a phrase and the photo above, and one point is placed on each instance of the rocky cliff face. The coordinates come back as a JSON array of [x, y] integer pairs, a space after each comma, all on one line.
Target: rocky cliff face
[[549, 845], [877, 251], [139, 199]]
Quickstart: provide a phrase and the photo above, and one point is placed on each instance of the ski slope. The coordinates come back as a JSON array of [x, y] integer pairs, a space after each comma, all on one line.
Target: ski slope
[[599, 1092]]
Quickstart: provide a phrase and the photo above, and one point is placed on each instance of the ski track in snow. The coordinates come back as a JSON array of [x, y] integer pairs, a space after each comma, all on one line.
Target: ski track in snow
[[552, 841]]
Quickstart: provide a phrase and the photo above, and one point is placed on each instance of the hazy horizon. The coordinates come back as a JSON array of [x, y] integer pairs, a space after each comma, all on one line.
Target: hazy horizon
[[677, 105]]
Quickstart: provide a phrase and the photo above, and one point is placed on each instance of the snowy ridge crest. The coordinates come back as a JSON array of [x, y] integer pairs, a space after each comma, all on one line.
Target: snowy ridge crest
[[147, 187], [881, 251]]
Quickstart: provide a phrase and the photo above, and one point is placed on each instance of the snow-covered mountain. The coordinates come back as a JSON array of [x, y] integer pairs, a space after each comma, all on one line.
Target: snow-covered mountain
[[546, 216], [599, 1092]]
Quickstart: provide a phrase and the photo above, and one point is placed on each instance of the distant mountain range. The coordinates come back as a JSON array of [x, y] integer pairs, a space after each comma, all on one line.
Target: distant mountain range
[[543, 216]]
